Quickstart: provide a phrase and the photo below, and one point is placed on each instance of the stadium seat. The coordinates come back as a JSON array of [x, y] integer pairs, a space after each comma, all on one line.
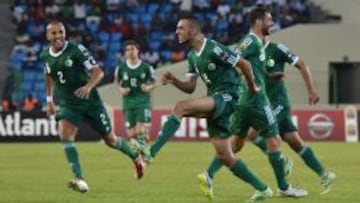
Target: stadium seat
[[146, 18], [155, 45], [39, 86], [29, 76], [92, 25], [152, 8], [116, 37], [133, 18], [104, 36], [26, 86], [115, 46], [167, 7]]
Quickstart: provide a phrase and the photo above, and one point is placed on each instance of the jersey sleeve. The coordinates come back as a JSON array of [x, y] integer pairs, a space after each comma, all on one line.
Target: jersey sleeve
[[287, 55], [247, 47], [225, 55], [46, 68], [117, 73], [151, 73], [191, 69], [83, 55]]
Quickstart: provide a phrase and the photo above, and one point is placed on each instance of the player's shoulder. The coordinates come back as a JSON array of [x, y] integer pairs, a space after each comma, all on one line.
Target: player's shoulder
[[44, 53], [249, 41], [282, 47], [145, 64], [77, 46], [121, 65]]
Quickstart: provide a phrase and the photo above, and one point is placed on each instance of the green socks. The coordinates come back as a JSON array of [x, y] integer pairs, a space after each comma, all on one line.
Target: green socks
[[141, 139], [240, 170], [260, 142], [277, 164], [168, 130], [215, 165], [123, 146], [73, 158], [310, 160]]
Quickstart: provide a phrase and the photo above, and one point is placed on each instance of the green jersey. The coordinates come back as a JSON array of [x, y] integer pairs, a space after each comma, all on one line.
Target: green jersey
[[133, 77], [215, 65], [69, 71], [252, 49], [276, 57]]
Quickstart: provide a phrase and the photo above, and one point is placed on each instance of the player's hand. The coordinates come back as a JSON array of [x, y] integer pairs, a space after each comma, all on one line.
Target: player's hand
[[83, 92], [145, 88], [254, 88], [167, 78], [124, 90], [50, 109], [313, 98], [275, 75]]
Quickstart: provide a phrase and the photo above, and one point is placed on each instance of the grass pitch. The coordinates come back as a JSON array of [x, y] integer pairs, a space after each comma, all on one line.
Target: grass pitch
[[37, 173]]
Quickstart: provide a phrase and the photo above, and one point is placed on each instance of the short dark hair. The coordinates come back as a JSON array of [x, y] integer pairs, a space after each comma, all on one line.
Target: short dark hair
[[257, 13], [194, 21], [131, 42]]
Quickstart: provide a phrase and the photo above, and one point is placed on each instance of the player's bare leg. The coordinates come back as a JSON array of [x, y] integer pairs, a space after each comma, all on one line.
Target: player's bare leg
[[122, 145]]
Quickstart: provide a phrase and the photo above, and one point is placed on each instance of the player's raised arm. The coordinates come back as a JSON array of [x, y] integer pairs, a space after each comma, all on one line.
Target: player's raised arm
[[307, 77]]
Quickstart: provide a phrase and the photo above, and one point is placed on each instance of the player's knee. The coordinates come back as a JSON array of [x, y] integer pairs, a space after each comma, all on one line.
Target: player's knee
[[237, 143], [67, 133], [227, 159], [273, 144], [110, 140], [179, 108], [140, 129]]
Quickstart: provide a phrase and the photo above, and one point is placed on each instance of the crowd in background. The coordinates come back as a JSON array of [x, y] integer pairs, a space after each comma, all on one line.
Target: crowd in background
[[103, 25]]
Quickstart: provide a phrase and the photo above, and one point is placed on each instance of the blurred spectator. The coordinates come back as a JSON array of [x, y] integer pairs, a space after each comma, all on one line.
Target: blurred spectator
[[177, 55], [30, 61], [7, 104], [31, 103], [79, 10], [103, 25], [223, 9], [152, 57]]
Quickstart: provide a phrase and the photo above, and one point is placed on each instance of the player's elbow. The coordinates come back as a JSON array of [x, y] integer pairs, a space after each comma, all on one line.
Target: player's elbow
[[190, 90], [301, 65], [98, 72]]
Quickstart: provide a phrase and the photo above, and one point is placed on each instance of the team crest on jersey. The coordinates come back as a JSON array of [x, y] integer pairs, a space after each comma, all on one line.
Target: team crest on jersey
[[270, 62], [211, 66], [262, 57], [125, 76], [68, 62], [142, 75]]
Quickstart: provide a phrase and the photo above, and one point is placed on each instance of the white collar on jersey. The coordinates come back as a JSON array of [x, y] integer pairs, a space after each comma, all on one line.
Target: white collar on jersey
[[267, 42], [202, 48], [133, 66], [60, 52], [257, 37]]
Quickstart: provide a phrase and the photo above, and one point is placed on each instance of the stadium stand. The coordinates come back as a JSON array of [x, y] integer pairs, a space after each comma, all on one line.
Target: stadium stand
[[103, 25]]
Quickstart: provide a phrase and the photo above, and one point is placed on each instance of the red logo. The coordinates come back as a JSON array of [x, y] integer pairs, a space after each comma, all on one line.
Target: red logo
[[320, 126]]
